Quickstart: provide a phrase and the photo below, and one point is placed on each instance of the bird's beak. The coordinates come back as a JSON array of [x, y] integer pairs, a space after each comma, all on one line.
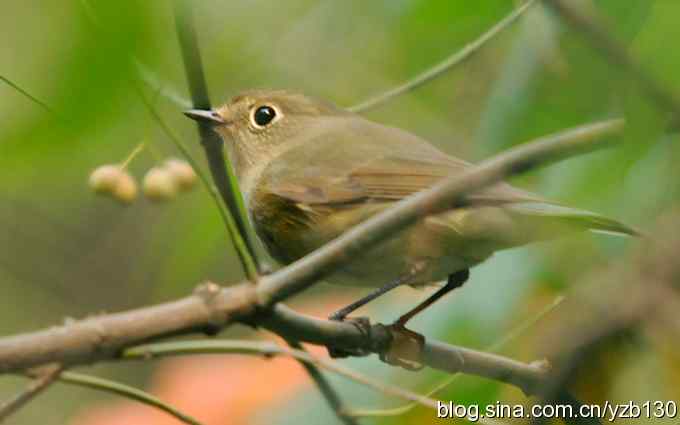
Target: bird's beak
[[205, 116]]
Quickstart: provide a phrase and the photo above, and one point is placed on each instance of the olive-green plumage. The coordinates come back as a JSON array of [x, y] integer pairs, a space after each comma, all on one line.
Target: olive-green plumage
[[309, 171]]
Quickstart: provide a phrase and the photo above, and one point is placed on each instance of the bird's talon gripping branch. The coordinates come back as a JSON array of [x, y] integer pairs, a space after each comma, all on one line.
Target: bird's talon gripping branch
[[406, 347], [363, 324]]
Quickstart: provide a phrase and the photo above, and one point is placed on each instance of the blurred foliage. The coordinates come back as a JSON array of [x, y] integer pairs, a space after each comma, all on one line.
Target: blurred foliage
[[66, 253]]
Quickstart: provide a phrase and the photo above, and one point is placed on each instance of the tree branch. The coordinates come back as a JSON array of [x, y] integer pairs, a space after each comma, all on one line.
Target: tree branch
[[376, 339], [103, 337], [448, 358]]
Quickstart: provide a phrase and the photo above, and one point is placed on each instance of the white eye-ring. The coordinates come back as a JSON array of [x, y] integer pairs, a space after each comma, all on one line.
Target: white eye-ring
[[264, 115]]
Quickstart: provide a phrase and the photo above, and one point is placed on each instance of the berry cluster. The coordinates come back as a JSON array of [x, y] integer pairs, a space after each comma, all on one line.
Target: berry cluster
[[161, 183]]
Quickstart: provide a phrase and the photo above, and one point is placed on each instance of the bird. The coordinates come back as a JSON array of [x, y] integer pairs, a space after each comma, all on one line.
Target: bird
[[309, 170]]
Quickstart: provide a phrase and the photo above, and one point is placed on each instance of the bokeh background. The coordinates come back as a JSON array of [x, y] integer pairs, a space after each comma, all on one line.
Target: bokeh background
[[67, 253]]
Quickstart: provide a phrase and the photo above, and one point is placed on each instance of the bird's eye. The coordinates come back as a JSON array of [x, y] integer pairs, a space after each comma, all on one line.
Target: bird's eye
[[263, 115]]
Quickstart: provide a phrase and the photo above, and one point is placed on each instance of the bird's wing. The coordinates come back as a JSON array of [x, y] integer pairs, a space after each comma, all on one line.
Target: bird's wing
[[371, 163], [389, 178]]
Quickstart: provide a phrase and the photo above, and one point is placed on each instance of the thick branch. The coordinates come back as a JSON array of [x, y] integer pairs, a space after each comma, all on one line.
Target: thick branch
[[103, 337]]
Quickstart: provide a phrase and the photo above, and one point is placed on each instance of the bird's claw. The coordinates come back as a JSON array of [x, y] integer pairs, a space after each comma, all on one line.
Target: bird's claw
[[364, 326]]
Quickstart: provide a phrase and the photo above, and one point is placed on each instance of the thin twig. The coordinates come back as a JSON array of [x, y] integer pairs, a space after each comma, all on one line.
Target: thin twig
[[26, 94], [222, 171], [268, 349], [527, 377], [616, 53], [227, 217], [454, 59], [126, 391], [39, 384], [327, 391], [161, 87], [140, 147]]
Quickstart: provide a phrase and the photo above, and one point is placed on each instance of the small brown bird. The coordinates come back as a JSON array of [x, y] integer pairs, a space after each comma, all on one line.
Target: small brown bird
[[309, 171]]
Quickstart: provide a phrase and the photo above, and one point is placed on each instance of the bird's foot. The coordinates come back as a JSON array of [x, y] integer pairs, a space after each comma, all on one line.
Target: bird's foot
[[364, 326]]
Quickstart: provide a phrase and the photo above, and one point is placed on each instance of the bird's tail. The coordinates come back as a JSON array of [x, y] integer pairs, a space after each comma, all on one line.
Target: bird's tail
[[564, 217]]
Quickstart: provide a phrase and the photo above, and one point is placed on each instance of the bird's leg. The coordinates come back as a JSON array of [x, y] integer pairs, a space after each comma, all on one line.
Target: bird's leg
[[408, 344], [362, 322], [343, 312], [456, 280]]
